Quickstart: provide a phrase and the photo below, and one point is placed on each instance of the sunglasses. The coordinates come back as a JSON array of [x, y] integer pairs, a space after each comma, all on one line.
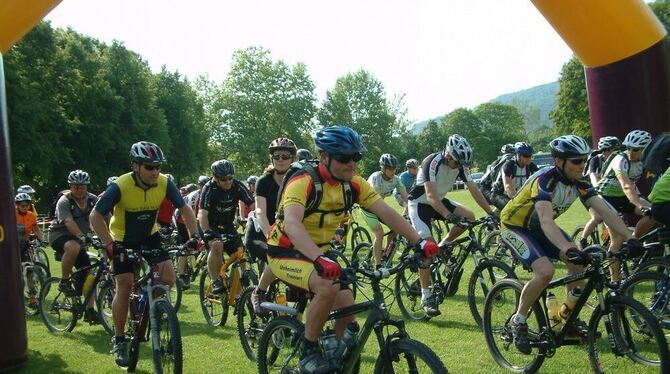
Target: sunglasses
[[635, 149], [151, 167], [345, 159], [79, 186], [577, 161], [225, 179], [281, 157]]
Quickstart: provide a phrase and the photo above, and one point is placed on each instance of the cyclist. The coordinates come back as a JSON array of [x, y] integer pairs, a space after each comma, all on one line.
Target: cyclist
[[606, 146], [30, 191], [244, 208], [192, 199], [134, 199], [660, 203], [427, 202], [513, 173], [282, 153], [166, 210], [492, 173], [384, 182], [529, 224], [67, 233], [618, 188], [296, 242], [407, 177], [304, 154], [110, 180], [26, 224], [219, 201]]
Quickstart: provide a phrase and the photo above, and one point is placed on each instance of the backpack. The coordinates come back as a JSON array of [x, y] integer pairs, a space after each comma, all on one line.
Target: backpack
[[52, 210], [493, 171], [90, 203], [593, 154], [656, 158], [314, 199], [607, 163]]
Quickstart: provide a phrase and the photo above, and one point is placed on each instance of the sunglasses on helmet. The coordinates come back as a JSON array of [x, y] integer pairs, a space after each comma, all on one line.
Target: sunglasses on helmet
[[345, 159]]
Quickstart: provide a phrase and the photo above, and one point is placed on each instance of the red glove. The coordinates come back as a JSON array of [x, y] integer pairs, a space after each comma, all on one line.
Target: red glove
[[327, 268], [428, 247], [115, 249]]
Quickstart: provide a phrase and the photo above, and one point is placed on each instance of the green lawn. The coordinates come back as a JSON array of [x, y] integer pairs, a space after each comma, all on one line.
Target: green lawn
[[453, 336]]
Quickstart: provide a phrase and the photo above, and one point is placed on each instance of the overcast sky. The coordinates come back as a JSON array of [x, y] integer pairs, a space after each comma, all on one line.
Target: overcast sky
[[442, 54]]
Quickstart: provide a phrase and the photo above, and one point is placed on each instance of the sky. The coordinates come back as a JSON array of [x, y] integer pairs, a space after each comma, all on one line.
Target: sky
[[440, 54]]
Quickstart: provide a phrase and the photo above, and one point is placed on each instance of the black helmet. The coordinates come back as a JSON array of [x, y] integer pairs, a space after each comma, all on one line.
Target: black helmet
[[507, 148], [339, 140], [78, 177], [304, 154], [282, 143], [252, 179], [388, 160], [523, 148], [222, 168], [146, 152]]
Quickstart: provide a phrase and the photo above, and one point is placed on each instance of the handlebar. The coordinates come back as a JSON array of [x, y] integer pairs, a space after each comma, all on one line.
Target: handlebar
[[466, 223], [413, 261]]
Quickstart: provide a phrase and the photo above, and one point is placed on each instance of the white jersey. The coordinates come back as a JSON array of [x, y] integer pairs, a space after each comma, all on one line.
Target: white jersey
[[434, 168], [385, 187]]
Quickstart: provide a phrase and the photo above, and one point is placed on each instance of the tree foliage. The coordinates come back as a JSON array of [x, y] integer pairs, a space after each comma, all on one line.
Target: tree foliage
[[571, 115]]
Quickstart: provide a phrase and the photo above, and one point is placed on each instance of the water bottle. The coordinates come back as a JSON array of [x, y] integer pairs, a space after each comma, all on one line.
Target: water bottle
[[87, 284], [281, 300], [570, 302], [348, 341], [553, 310], [329, 344]]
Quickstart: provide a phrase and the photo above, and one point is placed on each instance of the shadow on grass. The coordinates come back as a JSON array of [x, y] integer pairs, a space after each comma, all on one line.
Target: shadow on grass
[[40, 363], [202, 328]]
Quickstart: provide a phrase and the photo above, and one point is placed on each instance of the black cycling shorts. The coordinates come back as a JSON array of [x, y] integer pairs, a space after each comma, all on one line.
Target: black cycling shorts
[[152, 242], [231, 245], [59, 247], [661, 213]]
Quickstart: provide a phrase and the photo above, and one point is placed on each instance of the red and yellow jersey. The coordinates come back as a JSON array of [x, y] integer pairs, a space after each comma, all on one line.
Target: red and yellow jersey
[[320, 226], [28, 220]]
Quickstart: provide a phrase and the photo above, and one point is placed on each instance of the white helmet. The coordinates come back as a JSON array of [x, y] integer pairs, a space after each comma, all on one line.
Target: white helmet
[[637, 139], [608, 142], [459, 149], [111, 180], [23, 196], [25, 189], [78, 177]]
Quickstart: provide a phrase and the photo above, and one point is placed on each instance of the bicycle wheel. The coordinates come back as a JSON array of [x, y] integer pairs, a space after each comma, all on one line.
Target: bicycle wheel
[[249, 325], [485, 275], [360, 235], [133, 352], [363, 253], [176, 292], [407, 291], [409, 356], [577, 235], [104, 304], [279, 346], [496, 249], [636, 334], [249, 278], [167, 355], [213, 307], [439, 230], [42, 258], [35, 276], [56, 309], [499, 308]]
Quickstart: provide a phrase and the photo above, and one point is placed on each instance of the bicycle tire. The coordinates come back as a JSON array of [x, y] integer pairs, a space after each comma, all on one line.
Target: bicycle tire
[[360, 235], [498, 250], [363, 254], [281, 332], [168, 356], [56, 309], [656, 265], [499, 308], [133, 352], [407, 290], [411, 351], [42, 258], [485, 275], [176, 293], [439, 230], [249, 278], [652, 340], [215, 313], [249, 325], [37, 272], [103, 303]]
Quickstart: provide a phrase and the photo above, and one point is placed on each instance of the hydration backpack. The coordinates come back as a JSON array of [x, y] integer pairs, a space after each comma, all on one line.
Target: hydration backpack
[[656, 158], [316, 195], [593, 154], [493, 171], [90, 203]]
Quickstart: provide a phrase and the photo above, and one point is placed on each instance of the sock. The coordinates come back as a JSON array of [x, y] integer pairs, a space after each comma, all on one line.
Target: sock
[[119, 339], [518, 318], [426, 293], [308, 345]]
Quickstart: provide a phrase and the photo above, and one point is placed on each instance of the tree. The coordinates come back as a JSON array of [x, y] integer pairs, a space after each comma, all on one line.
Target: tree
[[501, 124], [259, 101], [571, 115], [359, 100]]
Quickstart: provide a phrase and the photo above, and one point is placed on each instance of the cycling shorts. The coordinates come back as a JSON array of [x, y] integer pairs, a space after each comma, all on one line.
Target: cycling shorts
[[152, 242], [620, 203], [232, 244], [371, 219], [532, 243], [421, 215], [255, 241], [290, 266], [661, 212], [59, 247]]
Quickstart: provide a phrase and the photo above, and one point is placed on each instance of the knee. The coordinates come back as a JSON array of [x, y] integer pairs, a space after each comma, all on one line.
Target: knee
[[72, 248], [325, 288], [545, 275]]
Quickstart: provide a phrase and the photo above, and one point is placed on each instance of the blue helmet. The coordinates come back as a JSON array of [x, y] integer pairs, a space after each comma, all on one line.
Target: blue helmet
[[339, 140], [523, 148]]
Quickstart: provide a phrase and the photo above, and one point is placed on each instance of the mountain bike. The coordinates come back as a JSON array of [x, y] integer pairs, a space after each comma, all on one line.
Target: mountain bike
[[280, 344], [363, 253], [618, 325], [33, 274], [215, 307], [359, 234], [151, 317]]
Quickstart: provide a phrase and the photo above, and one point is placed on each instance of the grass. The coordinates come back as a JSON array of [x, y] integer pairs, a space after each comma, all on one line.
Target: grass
[[453, 336]]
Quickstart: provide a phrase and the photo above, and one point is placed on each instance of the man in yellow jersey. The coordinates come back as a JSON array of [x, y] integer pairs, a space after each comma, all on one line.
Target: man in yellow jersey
[[135, 198], [301, 234]]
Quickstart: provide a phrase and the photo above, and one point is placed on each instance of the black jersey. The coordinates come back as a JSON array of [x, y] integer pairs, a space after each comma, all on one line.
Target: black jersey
[[221, 204], [267, 187]]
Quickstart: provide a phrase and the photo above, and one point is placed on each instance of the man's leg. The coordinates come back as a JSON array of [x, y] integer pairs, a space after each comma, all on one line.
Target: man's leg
[[71, 250], [543, 272], [589, 227], [456, 231], [377, 243], [124, 284], [214, 263]]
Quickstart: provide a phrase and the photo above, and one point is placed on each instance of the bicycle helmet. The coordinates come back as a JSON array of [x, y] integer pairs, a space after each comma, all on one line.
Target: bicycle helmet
[[339, 140], [523, 148], [111, 180], [222, 168], [304, 154], [21, 197], [388, 160], [252, 180], [459, 149], [170, 177], [568, 146], [146, 152], [202, 180], [78, 177], [282, 143], [190, 187], [412, 163], [608, 142], [25, 189], [637, 139], [507, 148]]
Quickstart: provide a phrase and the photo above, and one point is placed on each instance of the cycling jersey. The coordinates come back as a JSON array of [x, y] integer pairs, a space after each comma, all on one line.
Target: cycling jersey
[[434, 168], [267, 187], [221, 204], [596, 164], [661, 191], [26, 223], [165, 212], [548, 184], [609, 184], [134, 208], [407, 180], [518, 174], [385, 187], [320, 226], [67, 207]]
